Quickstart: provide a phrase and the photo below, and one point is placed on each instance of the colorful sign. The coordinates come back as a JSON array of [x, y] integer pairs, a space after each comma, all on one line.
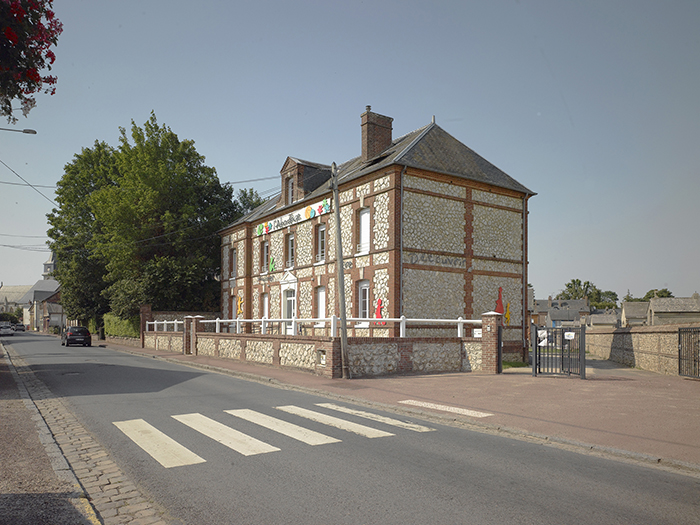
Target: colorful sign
[[320, 208]]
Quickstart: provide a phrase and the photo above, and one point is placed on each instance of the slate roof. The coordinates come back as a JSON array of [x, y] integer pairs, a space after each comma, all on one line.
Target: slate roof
[[675, 304], [636, 309], [429, 148], [40, 291], [579, 305], [13, 294]]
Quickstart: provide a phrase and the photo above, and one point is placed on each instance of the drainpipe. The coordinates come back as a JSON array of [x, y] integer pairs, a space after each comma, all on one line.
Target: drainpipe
[[400, 278], [525, 288]]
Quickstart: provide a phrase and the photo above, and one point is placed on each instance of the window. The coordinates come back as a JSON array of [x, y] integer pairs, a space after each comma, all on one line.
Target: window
[[289, 249], [265, 306], [363, 231], [234, 264], [320, 243], [321, 305], [363, 301], [290, 190], [264, 257]]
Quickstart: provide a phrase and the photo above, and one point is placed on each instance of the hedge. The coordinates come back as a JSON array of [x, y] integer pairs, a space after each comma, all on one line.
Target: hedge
[[117, 327]]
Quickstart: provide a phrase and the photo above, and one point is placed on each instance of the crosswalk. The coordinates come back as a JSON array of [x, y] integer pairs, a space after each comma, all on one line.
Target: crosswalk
[[169, 453]]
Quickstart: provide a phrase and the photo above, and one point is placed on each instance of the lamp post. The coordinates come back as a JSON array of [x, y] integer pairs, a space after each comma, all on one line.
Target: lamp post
[[27, 131], [341, 275]]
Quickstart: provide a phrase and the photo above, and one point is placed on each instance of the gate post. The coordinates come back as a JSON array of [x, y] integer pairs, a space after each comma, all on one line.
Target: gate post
[[490, 323], [582, 352]]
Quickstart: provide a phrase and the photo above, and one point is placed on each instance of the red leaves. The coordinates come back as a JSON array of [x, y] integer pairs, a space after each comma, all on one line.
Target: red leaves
[[29, 28]]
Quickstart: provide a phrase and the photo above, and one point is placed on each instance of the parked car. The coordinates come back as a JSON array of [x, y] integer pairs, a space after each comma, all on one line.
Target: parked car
[[19, 327], [6, 328], [76, 335]]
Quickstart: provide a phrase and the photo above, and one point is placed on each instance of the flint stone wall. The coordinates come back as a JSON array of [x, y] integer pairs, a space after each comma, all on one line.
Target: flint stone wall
[[653, 348]]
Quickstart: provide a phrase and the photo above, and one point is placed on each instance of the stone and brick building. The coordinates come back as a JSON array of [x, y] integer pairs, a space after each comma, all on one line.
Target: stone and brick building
[[429, 230]]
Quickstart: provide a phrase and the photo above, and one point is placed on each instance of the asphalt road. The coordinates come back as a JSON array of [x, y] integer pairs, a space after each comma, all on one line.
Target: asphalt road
[[320, 471]]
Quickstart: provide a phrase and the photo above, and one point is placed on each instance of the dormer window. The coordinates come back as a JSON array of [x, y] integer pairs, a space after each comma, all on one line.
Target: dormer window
[[290, 191]]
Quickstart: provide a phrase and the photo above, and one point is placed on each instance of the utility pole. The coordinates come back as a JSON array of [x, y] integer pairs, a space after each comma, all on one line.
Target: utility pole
[[341, 275]]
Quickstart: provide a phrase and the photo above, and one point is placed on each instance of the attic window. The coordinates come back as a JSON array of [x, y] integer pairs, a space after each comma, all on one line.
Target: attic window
[[290, 191]]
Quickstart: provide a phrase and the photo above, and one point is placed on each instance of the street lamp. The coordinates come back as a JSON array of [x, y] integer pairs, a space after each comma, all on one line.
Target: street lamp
[[27, 131]]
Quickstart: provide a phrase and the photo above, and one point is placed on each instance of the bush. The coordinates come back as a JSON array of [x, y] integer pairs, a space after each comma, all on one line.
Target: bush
[[117, 327]]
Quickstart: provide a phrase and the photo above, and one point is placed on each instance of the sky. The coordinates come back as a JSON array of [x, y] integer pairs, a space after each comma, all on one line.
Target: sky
[[592, 105]]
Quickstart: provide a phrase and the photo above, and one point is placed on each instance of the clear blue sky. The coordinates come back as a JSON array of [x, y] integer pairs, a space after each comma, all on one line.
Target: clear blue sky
[[593, 105]]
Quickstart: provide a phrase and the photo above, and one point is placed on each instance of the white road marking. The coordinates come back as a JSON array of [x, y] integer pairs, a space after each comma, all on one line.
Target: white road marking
[[377, 417], [446, 408], [335, 422], [162, 448], [291, 430], [233, 439]]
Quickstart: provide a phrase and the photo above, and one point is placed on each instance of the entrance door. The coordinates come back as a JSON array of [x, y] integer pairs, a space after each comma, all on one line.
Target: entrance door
[[559, 351]]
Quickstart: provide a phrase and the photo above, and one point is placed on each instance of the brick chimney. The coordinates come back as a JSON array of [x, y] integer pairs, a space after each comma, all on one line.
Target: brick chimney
[[376, 134]]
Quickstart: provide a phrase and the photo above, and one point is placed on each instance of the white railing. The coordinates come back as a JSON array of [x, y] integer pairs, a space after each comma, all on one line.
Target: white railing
[[292, 326], [164, 324]]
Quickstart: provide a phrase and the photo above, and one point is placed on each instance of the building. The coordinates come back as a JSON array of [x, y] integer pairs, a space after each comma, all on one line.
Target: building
[[429, 230], [634, 313], [674, 310], [561, 312]]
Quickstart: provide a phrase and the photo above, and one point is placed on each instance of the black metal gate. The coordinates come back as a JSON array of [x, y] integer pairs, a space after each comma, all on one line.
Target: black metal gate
[[558, 351], [689, 352]]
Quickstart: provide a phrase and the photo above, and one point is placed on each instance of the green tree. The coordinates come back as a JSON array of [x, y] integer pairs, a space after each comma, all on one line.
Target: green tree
[[159, 224], [654, 292], [576, 289], [73, 228], [29, 29]]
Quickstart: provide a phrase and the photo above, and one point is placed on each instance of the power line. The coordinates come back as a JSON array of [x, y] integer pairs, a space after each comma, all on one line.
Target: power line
[[27, 182], [19, 184]]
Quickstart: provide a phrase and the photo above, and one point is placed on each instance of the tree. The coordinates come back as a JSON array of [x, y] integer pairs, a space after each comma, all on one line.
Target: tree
[[29, 29], [159, 224], [654, 292], [73, 228], [575, 289]]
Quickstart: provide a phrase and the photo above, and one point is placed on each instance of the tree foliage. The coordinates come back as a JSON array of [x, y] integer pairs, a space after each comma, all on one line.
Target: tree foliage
[[576, 289], [29, 29], [654, 292], [73, 228], [152, 222]]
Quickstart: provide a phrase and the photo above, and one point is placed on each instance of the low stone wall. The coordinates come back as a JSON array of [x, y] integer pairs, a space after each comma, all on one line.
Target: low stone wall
[[653, 348], [367, 356]]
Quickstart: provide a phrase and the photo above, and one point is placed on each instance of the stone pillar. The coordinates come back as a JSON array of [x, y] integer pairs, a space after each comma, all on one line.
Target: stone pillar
[[490, 321]]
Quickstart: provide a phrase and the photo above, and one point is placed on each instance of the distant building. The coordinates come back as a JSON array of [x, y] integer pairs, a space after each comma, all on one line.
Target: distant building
[[635, 313], [674, 310], [560, 312], [11, 297]]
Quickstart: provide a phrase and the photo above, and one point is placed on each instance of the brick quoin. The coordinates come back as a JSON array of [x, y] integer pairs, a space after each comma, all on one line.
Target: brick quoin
[[490, 322]]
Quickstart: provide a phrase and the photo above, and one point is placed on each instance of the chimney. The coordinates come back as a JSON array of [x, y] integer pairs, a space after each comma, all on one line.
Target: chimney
[[376, 134], [549, 301]]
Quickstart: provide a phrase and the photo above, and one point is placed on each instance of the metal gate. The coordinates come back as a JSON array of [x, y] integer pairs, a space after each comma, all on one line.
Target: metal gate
[[558, 351], [689, 352]]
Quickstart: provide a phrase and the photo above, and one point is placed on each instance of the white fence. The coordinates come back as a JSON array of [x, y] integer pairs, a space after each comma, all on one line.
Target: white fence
[[292, 326]]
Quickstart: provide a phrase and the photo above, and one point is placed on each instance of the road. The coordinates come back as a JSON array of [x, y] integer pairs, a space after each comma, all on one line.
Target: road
[[211, 448]]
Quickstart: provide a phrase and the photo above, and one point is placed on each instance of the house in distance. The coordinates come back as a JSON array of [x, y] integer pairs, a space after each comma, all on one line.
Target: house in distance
[[429, 230]]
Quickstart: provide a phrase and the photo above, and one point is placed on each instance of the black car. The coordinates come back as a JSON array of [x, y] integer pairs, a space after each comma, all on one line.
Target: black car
[[76, 335]]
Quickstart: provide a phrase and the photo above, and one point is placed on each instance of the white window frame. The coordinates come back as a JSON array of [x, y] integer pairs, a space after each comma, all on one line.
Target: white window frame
[[320, 295], [265, 302], [363, 231], [290, 191], [289, 308], [321, 243], [363, 303], [264, 256], [289, 255]]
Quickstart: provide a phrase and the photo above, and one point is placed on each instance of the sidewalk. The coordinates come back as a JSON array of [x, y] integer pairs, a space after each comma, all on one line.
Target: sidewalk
[[617, 411]]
